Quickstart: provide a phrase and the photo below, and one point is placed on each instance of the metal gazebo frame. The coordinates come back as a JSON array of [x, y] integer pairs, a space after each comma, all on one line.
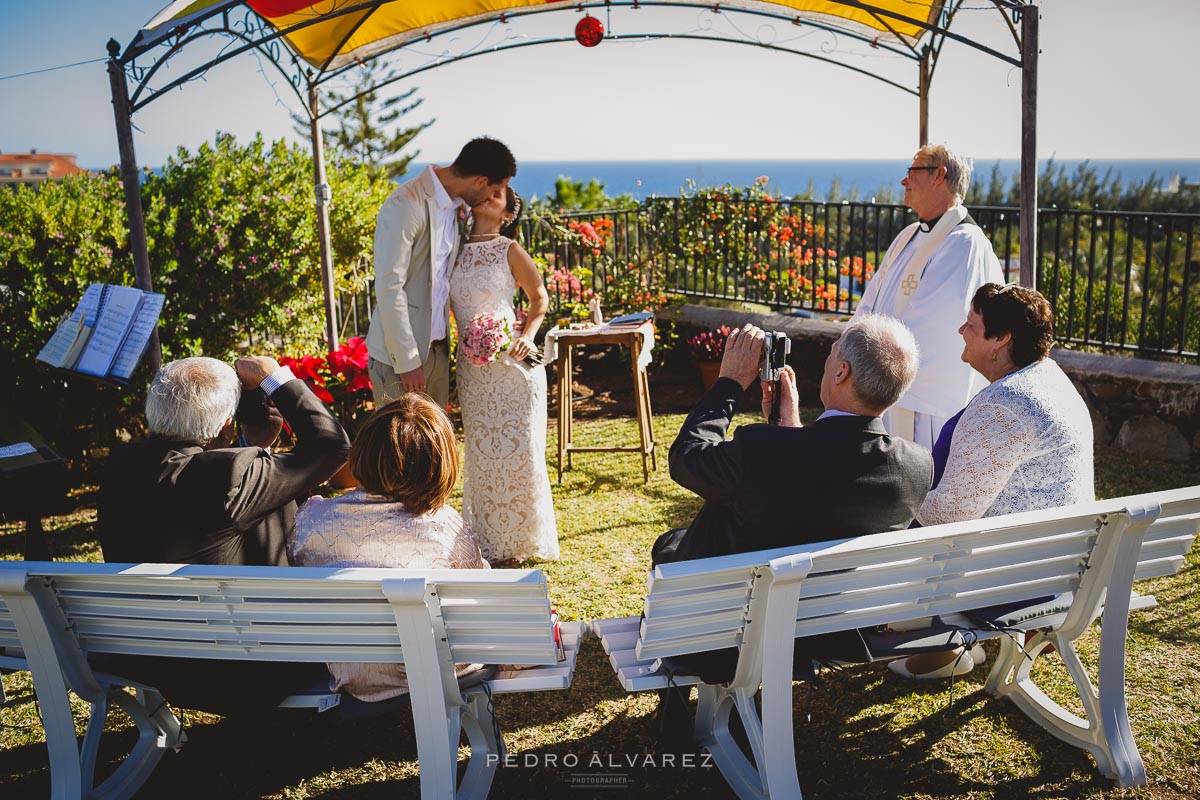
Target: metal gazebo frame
[[250, 32]]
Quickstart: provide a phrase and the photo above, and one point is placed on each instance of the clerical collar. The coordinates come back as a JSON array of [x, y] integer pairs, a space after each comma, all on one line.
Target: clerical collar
[[926, 225]]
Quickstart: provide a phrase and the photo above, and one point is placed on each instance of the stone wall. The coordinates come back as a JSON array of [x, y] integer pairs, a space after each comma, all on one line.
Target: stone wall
[[1149, 408]]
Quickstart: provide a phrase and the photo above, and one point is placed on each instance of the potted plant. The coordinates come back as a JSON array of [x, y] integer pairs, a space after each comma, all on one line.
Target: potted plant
[[707, 348]]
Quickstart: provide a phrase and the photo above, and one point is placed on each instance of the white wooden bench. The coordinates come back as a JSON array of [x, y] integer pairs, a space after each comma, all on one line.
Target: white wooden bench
[[58, 613], [759, 602]]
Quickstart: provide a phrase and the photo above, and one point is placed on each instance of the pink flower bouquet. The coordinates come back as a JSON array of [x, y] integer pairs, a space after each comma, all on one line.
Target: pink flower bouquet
[[485, 338]]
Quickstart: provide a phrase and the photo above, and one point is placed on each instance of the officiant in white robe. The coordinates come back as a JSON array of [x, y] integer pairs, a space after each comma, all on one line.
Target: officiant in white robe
[[927, 279]]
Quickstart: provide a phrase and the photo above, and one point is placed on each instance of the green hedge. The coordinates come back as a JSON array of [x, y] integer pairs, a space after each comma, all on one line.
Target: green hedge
[[232, 243]]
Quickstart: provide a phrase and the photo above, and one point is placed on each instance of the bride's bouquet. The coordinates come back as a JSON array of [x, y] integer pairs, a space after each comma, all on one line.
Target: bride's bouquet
[[487, 336]]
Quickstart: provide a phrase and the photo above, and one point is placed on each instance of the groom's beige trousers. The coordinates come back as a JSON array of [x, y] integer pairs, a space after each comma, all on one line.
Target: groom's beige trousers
[[386, 384]]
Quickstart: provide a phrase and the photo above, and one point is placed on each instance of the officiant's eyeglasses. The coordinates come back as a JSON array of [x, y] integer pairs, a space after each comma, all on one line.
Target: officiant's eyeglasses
[[918, 169]]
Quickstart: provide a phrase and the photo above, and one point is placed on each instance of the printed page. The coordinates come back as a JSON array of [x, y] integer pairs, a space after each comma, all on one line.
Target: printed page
[[116, 316], [144, 322], [57, 351], [18, 449], [89, 305]]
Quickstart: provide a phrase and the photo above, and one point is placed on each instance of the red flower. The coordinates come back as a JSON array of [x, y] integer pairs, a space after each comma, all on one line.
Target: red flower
[[350, 357], [359, 381], [322, 394], [305, 368]]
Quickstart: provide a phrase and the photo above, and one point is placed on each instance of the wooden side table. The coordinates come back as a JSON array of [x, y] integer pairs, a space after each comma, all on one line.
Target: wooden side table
[[631, 338]]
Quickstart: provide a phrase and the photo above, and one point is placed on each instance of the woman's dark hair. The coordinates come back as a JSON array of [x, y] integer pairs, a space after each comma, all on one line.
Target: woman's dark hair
[[1022, 313], [407, 452], [485, 156], [513, 205]]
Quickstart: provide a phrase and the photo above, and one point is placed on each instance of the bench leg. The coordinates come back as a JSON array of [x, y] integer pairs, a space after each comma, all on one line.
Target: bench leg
[[487, 750], [159, 730], [1105, 732], [712, 733]]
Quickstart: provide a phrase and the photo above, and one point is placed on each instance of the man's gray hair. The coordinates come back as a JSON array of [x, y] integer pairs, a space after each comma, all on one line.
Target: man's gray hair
[[958, 168], [189, 400], [883, 358]]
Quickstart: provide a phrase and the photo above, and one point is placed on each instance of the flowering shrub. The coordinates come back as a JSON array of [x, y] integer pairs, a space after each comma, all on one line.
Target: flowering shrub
[[234, 246], [709, 345], [746, 243], [582, 259], [340, 380]]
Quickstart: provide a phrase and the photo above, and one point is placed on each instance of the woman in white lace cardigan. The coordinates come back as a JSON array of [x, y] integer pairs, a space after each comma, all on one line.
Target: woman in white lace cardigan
[[1023, 443], [406, 462]]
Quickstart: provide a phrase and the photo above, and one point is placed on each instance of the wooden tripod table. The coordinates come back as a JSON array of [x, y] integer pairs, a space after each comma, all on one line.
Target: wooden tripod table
[[631, 337]]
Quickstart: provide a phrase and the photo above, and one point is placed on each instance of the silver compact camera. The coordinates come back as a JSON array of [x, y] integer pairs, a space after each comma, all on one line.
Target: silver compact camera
[[776, 347]]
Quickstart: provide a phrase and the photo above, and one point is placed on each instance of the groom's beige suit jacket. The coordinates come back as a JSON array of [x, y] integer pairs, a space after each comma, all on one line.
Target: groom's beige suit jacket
[[404, 243]]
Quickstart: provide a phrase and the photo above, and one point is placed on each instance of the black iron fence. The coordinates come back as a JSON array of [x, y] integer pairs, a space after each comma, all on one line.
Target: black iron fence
[[1120, 281]]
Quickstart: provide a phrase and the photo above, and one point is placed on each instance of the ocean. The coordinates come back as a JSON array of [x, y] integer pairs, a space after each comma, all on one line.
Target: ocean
[[865, 178]]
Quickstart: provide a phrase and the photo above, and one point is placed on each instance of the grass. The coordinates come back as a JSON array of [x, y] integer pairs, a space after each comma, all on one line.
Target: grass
[[859, 732]]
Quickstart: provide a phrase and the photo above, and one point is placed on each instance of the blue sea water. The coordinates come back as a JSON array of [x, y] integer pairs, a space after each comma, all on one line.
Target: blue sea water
[[868, 178]]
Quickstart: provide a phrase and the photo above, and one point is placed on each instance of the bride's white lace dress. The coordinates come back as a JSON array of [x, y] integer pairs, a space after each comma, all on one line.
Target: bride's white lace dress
[[506, 488]]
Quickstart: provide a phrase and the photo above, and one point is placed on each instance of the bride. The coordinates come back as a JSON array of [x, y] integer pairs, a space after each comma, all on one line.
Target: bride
[[506, 488]]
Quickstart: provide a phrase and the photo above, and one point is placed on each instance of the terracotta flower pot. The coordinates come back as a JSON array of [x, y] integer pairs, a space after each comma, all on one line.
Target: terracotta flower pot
[[709, 372]]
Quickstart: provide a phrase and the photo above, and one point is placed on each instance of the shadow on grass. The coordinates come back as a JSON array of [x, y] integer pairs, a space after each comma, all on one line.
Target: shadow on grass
[[73, 541], [853, 745]]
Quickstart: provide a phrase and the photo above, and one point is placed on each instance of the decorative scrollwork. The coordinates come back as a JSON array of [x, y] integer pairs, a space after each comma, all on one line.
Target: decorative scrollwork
[[247, 32]]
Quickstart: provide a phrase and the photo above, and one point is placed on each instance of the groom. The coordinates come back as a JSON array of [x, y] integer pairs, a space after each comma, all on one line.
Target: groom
[[416, 242]]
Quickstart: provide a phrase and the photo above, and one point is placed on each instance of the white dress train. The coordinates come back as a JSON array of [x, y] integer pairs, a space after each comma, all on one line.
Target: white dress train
[[506, 487]]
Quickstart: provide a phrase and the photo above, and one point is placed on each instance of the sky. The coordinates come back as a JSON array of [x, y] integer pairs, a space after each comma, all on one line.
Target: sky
[[1116, 81]]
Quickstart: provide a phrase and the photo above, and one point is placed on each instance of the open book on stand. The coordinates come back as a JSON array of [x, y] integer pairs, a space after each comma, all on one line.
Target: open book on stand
[[107, 334]]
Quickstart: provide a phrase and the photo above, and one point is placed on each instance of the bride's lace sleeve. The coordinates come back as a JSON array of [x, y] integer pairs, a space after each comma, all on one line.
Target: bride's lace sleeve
[[988, 445]]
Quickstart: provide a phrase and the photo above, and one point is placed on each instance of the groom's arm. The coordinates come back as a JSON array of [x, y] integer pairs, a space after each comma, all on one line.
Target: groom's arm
[[399, 224]]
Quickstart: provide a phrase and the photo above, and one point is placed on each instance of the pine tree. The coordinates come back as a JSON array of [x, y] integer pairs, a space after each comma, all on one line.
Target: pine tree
[[362, 134]]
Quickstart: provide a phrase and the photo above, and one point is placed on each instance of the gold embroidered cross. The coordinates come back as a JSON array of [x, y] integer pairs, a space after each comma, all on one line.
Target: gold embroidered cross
[[909, 285]]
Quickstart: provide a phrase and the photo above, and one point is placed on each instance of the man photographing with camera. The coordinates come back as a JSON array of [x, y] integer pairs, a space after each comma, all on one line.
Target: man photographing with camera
[[187, 496], [776, 486]]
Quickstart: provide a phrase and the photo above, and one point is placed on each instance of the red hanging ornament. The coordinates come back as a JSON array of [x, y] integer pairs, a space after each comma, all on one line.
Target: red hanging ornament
[[589, 32]]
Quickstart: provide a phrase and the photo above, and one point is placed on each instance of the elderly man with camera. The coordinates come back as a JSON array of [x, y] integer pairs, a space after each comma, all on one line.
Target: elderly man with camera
[[775, 486], [187, 496]]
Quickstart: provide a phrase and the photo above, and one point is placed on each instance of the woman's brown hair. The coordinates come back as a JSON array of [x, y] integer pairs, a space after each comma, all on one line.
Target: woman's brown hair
[[407, 452], [1023, 313]]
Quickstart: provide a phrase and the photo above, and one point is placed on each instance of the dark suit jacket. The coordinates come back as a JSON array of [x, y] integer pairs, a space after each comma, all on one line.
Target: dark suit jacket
[[177, 503], [775, 487]]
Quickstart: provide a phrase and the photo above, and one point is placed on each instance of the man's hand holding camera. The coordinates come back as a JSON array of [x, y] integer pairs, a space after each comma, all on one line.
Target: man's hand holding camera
[[743, 362], [789, 399], [261, 427], [743, 353]]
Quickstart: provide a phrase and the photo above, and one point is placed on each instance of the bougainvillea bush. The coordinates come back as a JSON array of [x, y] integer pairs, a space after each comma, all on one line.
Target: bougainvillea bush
[[340, 380]]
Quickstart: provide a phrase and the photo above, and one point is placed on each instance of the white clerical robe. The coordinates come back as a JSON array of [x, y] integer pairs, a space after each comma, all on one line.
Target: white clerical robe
[[962, 263]]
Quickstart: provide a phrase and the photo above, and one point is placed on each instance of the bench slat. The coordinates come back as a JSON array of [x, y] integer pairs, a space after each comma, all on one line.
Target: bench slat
[[1166, 547], [1056, 553], [656, 628], [1158, 568], [718, 599]]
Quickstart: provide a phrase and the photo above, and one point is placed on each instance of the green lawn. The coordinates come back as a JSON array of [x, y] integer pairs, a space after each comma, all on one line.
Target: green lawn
[[859, 732]]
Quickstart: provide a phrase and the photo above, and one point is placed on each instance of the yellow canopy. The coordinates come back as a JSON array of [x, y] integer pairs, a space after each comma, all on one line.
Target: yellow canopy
[[347, 30]]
